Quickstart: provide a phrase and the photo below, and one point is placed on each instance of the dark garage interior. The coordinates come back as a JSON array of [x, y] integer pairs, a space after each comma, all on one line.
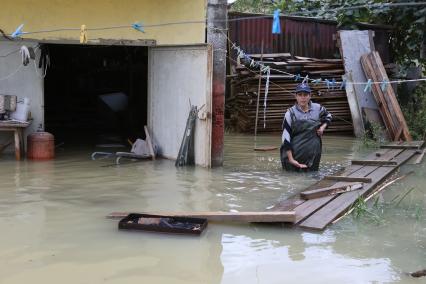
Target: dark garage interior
[[96, 94]]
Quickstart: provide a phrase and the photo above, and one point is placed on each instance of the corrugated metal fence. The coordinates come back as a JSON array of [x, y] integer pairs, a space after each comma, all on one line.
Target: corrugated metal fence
[[300, 36]]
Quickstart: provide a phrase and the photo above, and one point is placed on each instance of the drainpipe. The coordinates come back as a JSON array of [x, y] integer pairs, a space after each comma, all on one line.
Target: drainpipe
[[217, 14]]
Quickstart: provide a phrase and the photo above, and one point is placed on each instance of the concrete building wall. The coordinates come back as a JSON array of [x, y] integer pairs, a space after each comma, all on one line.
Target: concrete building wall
[[47, 15], [22, 81]]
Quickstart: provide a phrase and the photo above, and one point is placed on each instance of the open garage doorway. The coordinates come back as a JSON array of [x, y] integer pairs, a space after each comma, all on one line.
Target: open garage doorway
[[96, 95]]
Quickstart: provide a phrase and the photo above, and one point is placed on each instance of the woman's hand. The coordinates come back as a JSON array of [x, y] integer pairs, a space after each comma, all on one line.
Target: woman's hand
[[320, 131], [297, 164]]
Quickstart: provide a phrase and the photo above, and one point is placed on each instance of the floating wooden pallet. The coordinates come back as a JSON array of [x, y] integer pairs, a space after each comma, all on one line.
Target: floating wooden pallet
[[317, 213]]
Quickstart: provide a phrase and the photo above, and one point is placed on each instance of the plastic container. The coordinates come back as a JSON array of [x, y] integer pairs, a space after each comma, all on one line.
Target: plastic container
[[40, 146], [22, 110]]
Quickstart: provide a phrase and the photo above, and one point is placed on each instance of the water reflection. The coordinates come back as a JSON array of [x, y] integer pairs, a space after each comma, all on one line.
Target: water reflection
[[54, 212]]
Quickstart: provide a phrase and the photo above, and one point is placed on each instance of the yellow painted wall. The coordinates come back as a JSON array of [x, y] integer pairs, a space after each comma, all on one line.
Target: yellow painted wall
[[51, 14]]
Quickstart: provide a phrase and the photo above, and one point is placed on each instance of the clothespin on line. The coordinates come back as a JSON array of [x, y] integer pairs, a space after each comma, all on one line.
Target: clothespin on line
[[316, 81], [368, 86], [384, 85], [83, 34], [18, 32], [138, 26]]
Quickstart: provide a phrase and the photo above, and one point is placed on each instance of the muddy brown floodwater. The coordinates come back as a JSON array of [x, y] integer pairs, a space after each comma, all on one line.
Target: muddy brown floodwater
[[54, 230]]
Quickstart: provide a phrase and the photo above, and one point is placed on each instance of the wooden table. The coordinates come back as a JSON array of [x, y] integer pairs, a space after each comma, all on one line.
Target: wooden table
[[17, 128]]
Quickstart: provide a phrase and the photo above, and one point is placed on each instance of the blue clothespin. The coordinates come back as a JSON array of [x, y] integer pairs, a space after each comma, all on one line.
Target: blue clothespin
[[343, 84], [276, 27], [18, 32], [297, 77], [246, 57], [384, 85], [316, 81], [333, 83], [241, 53], [328, 83], [265, 69], [252, 63], [368, 86], [306, 79], [138, 26]]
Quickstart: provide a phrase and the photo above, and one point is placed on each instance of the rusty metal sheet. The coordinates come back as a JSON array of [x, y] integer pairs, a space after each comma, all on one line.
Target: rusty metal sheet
[[299, 37]]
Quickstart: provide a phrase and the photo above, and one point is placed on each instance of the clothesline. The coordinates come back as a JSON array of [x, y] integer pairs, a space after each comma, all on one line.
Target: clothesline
[[139, 26], [297, 77]]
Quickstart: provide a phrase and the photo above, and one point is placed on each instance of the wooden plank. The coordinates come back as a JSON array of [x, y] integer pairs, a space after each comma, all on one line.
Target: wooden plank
[[373, 162], [356, 116], [385, 100], [348, 179], [420, 158], [271, 55], [332, 190], [311, 206], [17, 145], [245, 217], [266, 148], [402, 146], [388, 104], [390, 95], [340, 204], [352, 45], [384, 111]]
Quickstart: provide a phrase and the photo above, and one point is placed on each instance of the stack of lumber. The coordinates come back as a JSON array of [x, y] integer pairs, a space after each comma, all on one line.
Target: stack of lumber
[[386, 100], [242, 104], [330, 198]]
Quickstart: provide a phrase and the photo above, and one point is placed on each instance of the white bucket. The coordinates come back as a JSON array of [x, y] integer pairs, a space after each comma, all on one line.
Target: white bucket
[[22, 110]]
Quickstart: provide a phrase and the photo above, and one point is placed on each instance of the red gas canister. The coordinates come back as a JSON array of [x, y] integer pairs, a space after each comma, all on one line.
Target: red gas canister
[[40, 146]]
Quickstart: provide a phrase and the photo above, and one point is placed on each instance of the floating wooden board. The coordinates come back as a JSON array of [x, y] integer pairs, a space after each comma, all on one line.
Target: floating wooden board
[[341, 203], [399, 147], [404, 145], [373, 162], [420, 158], [308, 207], [349, 179], [332, 190], [265, 148], [246, 217]]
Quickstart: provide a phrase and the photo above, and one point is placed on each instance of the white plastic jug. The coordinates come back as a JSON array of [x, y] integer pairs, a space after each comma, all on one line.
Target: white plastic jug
[[22, 110]]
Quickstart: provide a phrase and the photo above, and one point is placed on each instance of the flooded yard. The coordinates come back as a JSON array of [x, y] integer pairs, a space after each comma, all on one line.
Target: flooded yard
[[54, 230]]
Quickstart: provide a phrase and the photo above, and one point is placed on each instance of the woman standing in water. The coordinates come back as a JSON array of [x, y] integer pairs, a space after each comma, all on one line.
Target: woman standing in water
[[304, 123]]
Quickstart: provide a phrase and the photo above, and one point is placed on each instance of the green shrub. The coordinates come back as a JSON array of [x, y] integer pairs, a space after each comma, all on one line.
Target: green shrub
[[415, 112]]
